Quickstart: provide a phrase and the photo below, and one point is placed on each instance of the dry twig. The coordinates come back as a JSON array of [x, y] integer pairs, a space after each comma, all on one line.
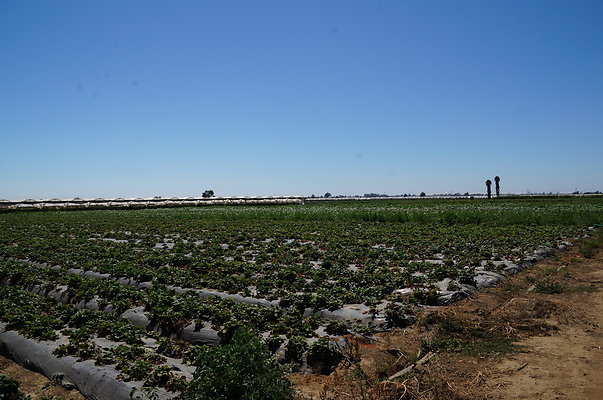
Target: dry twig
[[408, 369]]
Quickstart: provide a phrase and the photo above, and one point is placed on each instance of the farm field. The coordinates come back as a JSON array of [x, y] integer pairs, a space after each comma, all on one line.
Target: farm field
[[146, 296]]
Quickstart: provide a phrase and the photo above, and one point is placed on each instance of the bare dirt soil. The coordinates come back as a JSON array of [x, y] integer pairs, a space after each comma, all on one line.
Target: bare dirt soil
[[34, 384], [539, 335]]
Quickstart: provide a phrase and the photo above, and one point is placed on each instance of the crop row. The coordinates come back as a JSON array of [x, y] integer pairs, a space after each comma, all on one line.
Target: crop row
[[107, 339], [166, 311], [133, 352], [145, 290], [342, 263]]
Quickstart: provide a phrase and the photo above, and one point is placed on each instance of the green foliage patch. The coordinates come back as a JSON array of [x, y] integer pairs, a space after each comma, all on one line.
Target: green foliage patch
[[319, 256], [243, 369], [9, 389]]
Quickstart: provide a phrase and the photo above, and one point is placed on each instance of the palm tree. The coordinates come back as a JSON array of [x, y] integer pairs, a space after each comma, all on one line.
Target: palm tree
[[497, 182], [489, 186]]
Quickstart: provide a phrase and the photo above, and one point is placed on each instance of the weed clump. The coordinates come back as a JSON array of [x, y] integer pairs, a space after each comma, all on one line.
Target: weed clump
[[589, 247], [547, 285], [324, 356], [474, 347], [549, 281], [453, 336]]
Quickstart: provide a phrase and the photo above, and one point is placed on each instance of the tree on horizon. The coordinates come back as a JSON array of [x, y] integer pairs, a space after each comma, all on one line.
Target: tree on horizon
[[497, 182], [489, 187]]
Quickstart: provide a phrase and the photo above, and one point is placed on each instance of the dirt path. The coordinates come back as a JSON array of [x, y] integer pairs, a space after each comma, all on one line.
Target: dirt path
[[568, 364]]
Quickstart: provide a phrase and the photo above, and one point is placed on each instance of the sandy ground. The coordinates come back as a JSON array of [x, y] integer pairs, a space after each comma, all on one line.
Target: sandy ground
[[568, 364]]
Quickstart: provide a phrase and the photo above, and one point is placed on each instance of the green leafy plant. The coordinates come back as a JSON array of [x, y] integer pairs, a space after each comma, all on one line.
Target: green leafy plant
[[243, 369], [323, 356], [295, 348], [9, 389], [335, 327], [399, 315]]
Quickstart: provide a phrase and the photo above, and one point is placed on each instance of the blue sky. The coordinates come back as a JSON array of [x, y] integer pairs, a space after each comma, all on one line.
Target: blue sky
[[144, 98]]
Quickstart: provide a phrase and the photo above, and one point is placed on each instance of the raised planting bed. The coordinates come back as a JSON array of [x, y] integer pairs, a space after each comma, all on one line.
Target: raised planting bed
[[154, 286]]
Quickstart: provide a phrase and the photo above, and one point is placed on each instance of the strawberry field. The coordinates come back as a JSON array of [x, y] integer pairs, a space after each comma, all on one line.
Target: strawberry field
[[145, 298]]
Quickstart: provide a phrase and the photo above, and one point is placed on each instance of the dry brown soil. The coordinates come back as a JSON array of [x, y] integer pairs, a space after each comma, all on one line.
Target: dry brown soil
[[34, 384], [558, 340]]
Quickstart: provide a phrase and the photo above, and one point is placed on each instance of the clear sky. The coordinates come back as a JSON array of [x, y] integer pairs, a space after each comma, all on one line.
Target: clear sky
[[143, 98]]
